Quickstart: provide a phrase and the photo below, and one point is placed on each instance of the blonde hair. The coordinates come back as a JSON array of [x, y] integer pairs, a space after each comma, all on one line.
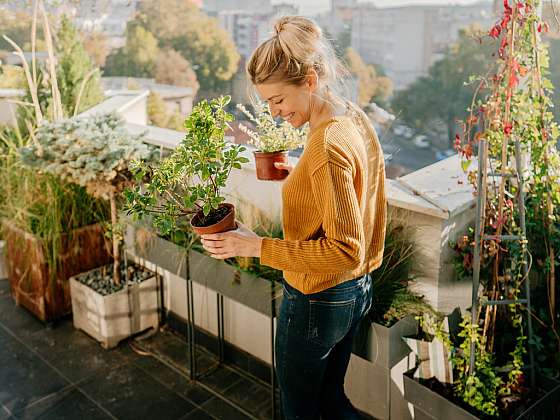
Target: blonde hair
[[296, 48]]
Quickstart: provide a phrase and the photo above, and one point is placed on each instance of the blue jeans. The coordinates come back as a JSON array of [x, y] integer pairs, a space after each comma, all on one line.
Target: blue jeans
[[313, 344]]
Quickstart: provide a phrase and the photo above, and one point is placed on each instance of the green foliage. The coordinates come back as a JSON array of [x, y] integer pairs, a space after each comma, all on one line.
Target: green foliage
[[40, 203], [479, 389], [271, 136], [444, 95], [74, 69], [138, 57], [94, 153], [191, 178], [391, 297], [182, 26], [12, 77]]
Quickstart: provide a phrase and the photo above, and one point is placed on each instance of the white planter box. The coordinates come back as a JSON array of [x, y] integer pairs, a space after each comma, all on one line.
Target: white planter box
[[3, 266], [112, 318]]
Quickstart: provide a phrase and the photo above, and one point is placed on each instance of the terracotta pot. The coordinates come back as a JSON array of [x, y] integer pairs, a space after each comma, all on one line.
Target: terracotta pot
[[265, 165], [227, 223]]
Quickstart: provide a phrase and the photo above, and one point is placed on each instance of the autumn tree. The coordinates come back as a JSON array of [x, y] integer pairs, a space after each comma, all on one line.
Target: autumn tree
[[172, 69], [138, 57], [371, 86], [180, 25], [96, 46]]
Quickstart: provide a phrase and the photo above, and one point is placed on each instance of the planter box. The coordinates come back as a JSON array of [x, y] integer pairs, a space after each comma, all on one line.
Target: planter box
[[28, 271], [429, 405], [112, 318], [374, 383], [3, 267], [382, 345], [249, 290]]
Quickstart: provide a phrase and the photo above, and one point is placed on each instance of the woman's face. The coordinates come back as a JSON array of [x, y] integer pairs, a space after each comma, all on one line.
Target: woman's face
[[291, 102]]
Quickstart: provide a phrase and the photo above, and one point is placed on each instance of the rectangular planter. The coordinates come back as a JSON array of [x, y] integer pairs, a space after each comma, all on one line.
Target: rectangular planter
[[429, 405], [375, 384], [249, 290], [382, 345], [112, 318], [48, 298]]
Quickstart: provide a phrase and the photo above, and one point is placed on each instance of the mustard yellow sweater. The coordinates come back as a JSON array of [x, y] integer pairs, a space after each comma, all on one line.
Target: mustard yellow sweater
[[334, 207]]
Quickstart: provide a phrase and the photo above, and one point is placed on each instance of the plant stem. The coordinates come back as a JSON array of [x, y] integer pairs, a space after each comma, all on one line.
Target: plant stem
[[116, 248]]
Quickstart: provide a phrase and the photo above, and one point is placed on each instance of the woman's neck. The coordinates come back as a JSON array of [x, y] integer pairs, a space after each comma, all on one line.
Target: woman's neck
[[326, 110]]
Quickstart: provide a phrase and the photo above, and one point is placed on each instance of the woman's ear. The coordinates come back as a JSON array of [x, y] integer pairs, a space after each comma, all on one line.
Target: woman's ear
[[312, 80]]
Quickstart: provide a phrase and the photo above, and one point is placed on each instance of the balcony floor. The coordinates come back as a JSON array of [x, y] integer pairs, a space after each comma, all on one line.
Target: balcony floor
[[61, 373]]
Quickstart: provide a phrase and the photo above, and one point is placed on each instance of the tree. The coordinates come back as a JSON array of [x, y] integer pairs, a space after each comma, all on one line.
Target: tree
[[370, 84], [442, 96], [197, 37], [96, 46], [78, 78], [159, 115], [171, 68], [138, 57]]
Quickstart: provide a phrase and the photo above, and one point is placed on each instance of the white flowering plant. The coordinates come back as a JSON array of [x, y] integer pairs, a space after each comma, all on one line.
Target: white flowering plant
[[269, 135]]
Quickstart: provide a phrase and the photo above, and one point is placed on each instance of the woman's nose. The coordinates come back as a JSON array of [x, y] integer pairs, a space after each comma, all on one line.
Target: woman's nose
[[274, 112]]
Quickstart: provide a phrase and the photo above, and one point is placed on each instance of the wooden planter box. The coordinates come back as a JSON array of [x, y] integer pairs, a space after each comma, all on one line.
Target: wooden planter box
[[429, 405], [374, 384], [249, 290], [28, 271], [112, 318]]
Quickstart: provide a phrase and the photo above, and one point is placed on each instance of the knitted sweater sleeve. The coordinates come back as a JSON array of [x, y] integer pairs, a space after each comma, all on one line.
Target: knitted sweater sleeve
[[342, 247]]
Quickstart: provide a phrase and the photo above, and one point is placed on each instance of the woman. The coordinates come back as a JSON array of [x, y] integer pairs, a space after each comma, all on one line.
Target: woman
[[334, 212]]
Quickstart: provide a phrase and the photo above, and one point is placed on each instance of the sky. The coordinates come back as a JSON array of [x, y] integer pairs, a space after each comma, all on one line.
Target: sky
[[316, 6]]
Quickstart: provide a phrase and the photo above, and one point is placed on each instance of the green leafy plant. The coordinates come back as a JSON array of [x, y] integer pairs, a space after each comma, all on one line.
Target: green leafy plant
[[271, 136], [192, 177], [392, 300], [94, 153]]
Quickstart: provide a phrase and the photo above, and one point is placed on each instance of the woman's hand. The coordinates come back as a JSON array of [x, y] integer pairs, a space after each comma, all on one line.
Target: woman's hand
[[285, 166], [241, 242]]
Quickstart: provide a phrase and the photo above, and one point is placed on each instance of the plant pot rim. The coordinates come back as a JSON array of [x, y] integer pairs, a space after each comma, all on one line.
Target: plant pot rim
[[229, 205], [259, 152]]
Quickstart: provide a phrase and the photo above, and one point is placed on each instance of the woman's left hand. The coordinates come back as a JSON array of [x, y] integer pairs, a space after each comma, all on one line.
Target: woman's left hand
[[241, 242]]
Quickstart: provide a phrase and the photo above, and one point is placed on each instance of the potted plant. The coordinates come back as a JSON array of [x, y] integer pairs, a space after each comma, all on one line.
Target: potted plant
[[50, 226], [187, 184], [272, 140], [95, 153]]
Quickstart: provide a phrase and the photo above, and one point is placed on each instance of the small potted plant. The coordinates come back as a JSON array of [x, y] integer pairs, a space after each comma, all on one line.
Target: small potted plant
[[272, 140], [95, 153], [187, 184]]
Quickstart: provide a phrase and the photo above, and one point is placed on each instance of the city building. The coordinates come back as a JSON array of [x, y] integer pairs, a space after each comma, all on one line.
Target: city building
[[406, 41]]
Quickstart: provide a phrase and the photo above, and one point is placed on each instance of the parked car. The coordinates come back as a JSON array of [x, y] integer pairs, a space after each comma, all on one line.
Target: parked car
[[403, 131], [421, 141]]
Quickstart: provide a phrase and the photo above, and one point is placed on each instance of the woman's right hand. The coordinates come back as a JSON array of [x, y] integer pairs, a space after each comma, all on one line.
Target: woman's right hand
[[282, 165]]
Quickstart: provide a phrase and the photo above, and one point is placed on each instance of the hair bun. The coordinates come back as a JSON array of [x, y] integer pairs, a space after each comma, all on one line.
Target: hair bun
[[280, 24]]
